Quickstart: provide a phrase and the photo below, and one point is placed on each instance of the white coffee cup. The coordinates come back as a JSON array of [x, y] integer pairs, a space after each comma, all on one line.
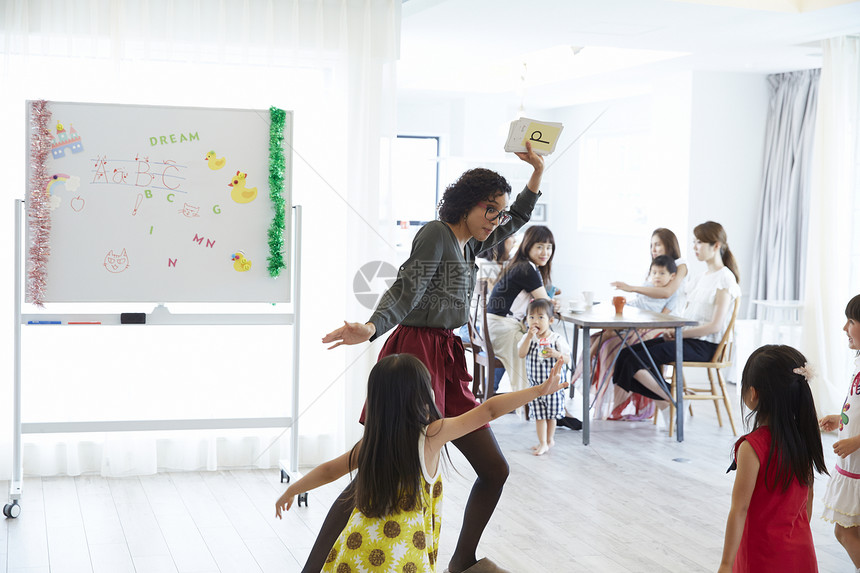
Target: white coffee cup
[[588, 298]]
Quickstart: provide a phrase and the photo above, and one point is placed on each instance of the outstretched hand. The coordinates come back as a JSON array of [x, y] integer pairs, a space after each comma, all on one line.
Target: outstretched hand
[[349, 333], [621, 286], [284, 503], [552, 385], [829, 423]]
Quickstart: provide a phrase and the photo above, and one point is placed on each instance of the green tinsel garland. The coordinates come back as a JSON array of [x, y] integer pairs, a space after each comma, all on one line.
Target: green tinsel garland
[[276, 188]]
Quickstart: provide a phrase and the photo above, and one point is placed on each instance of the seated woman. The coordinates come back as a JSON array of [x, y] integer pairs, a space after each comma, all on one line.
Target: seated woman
[[615, 403], [493, 261], [709, 299], [522, 281], [490, 263]]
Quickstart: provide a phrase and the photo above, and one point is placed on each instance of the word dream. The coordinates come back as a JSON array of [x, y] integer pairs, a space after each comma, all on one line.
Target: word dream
[[172, 138]]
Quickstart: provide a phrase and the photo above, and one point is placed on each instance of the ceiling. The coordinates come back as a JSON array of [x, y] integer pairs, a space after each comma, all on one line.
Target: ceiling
[[530, 50]]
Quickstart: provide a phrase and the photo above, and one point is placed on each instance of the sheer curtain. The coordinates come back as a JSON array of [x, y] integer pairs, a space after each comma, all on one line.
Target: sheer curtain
[[333, 64], [834, 178], [778, 263]]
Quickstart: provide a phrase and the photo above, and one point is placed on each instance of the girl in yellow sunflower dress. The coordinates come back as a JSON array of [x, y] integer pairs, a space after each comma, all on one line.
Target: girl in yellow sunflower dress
[[397, 489]]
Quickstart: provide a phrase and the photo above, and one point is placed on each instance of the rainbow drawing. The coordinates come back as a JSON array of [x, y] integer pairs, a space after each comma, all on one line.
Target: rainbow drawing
[[57, 177]]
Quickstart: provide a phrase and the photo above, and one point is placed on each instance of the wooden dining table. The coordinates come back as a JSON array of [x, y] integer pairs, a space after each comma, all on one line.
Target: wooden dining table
[[628, 324]]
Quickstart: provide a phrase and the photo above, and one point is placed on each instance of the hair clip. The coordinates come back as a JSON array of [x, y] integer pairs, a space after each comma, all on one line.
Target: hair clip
[[805, 371]]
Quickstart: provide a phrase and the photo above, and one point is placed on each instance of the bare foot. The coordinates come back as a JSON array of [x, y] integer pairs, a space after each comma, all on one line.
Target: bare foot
[[535, 448], [550, 444], [541, 450]]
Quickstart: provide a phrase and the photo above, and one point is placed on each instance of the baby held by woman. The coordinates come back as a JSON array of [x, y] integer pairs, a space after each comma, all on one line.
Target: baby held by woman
[[663, 270]]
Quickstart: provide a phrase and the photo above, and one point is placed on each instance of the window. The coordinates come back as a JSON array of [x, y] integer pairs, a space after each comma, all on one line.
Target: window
[[613, 184], [414, 179]]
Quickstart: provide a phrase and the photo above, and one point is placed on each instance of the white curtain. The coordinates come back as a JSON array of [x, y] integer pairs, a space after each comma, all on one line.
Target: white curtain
[[834, 180], [332, 62], [778, 264]]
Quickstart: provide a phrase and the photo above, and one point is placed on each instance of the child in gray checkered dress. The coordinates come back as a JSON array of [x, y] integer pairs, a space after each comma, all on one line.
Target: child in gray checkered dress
[[541, 347]]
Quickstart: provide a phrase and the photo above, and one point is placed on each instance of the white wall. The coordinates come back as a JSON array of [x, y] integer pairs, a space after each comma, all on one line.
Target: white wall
[[729, 115]]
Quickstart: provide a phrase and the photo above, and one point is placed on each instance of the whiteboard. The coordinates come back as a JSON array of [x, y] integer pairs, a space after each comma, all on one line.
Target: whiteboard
[[143, 210]]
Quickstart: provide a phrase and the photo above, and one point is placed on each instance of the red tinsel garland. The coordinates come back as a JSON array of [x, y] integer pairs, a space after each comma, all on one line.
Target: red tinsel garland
[[38, 204]]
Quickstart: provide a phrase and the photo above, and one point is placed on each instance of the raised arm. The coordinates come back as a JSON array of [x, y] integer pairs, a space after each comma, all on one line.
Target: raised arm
[[656, 292], [320, 475], [536, 161], [527, 341], [748, 466], [442, 431]]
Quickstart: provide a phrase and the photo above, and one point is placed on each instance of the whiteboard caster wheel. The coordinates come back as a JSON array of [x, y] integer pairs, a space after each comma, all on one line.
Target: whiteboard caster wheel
[[13, 510], [303, 497], [285, 476]]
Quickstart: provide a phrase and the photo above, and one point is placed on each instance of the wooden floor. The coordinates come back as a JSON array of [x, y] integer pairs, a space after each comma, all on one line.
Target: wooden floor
[[632, 501]]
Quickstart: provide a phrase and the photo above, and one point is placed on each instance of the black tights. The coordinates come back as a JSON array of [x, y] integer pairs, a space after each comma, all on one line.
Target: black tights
[[482, 451]]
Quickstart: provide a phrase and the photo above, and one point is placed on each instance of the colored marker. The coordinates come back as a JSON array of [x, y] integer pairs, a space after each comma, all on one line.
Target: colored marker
[[44, 322], [86, 322]]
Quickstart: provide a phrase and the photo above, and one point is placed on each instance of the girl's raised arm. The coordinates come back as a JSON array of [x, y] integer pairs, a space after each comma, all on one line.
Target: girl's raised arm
[[320, 475], [748, 466], [442, 431]]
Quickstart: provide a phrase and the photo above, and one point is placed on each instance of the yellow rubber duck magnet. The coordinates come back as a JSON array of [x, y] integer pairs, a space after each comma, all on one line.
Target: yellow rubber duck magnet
[[240, 263], [240, 193], [214, 162]]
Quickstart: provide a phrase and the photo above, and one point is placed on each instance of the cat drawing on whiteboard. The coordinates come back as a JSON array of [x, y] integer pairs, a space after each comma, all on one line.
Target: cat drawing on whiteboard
[[240, 193], [190, 210], [116, 263]]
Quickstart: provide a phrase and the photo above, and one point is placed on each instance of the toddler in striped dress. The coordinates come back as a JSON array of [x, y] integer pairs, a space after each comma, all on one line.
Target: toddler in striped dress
[[541, 347]]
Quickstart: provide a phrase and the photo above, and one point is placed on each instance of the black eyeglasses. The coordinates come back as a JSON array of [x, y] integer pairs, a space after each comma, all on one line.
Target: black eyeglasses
[[491, 214]]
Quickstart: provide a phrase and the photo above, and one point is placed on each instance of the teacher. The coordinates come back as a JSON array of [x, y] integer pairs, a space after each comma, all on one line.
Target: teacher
[[427, 302]]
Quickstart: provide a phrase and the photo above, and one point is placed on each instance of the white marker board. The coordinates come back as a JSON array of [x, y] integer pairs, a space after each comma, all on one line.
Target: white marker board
[[143, 211]]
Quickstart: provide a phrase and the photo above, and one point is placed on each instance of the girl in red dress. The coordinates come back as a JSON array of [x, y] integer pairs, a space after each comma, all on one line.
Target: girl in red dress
[[768, 525]]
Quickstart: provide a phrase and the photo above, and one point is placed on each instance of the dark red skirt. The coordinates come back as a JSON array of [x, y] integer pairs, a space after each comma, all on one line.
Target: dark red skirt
[[443, 354]]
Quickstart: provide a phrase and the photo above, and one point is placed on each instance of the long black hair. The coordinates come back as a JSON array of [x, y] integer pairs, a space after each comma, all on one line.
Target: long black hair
[[786, 406], [712, 233], [670, 242], [399, 406], [534, 234], [497, 253]]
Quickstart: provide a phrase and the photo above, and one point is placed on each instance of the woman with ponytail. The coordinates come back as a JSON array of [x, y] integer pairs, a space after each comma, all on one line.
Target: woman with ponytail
[[709, 301]]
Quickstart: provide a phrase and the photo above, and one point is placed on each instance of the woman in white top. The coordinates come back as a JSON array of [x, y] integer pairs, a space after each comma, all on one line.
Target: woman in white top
[[614, 403], [709, 301]]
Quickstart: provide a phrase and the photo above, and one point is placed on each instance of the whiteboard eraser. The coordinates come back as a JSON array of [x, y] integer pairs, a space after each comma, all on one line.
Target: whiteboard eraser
[[132, 318]]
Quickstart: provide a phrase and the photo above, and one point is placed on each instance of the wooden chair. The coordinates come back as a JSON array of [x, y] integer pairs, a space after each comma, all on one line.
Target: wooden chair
[[722, 359], [484, 359]]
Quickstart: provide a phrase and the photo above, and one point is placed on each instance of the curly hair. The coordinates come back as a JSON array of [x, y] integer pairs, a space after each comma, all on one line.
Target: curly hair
[[472, 187]]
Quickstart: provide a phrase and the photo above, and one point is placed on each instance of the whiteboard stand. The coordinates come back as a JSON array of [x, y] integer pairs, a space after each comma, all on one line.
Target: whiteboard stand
[[160, 316]]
